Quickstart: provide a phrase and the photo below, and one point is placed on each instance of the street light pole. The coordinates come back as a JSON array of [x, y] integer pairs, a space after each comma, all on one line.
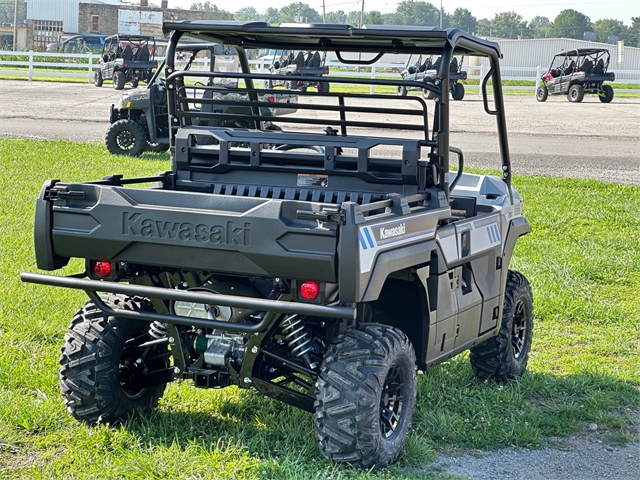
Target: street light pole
[[15, 27]]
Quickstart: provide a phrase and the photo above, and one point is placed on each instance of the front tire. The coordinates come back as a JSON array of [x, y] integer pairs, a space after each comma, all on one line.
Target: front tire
[[97, 79], [126, 137], [366, 396], [542, 93], [576, 93], [135, 82], [505, 356], [101, 371], [401, 91], [118, 80], [607, 95]]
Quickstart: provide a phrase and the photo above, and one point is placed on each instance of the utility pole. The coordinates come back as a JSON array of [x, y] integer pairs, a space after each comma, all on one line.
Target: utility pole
[[324, 13], [15, 27], [362, 15], [440, 13]]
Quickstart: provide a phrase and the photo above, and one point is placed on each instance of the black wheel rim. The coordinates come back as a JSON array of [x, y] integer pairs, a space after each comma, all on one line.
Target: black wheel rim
[[391, 403], [519, 334], [125, 140]]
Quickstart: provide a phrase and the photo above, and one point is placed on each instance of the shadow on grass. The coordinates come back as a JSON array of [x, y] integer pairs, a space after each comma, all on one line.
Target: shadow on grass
[[454, 410]]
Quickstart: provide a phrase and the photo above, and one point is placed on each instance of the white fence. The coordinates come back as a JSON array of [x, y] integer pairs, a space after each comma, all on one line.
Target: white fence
[[369, 71]]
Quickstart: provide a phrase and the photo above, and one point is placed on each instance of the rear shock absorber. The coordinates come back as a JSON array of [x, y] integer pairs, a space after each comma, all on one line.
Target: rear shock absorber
[[157, 329], [297, 337]]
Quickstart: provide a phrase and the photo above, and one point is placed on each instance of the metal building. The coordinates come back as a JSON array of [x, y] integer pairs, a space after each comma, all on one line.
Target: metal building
[[539, 52], [65, 11]]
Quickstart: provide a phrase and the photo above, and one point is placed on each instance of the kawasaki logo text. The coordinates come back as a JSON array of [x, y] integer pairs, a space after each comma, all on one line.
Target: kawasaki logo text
[[228, 233], [392, 232]]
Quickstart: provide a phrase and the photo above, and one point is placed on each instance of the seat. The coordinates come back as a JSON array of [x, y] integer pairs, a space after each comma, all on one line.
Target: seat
[[570, 68], [437, 63], [453, 66], [141, 55], [586, 66], [127, 53], [314, 61], [599, 68], [299, 61]]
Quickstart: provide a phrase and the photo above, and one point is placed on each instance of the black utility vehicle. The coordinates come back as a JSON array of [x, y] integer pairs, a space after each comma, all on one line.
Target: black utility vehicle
[[321, 264], [428, 71], [139, 121], [126, 59], [309, 64], [576, 72]]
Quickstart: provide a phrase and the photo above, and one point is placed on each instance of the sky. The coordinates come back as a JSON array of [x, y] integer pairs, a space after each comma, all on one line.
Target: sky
[[594, 9]]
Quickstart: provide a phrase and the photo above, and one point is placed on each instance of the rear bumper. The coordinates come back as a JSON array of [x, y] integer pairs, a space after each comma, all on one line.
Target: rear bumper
[[92, 286]]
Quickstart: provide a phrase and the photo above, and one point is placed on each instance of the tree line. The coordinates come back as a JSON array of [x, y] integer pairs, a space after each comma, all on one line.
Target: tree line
[[568, 23]]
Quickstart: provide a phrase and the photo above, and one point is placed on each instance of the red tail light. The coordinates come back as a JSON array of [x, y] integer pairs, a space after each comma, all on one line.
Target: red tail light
[[309, 290], [298, 71], [102, 268], [271, 99]]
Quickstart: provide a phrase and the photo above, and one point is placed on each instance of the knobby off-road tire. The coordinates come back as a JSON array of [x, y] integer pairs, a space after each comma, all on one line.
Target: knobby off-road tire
[[97, 79], [505, 356], [118, 80], [428, 94], [457, 91], [542, 93], [366, 396], [135, 82], [576, 93], [97, 376], [323, 87], [401, 91], [126, 137], [607, 96]]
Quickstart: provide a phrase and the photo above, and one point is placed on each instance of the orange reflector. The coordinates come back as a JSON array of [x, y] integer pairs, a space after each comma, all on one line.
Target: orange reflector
[[309, 290], [102, 268]]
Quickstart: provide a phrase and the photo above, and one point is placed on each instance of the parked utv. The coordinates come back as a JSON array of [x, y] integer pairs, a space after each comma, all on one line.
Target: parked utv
[[321, 264], [126, 59], [428, 71], [576, 72], [139, 122], [310, 65]]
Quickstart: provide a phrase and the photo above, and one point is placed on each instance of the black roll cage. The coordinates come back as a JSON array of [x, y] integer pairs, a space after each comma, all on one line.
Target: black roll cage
[[376, 40]]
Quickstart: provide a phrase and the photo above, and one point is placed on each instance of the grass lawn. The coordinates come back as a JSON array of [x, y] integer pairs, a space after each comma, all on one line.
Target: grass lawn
[[582, 259]]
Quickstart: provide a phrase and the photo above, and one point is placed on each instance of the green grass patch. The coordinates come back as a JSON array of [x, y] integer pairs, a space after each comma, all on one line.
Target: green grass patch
[[583, 261]]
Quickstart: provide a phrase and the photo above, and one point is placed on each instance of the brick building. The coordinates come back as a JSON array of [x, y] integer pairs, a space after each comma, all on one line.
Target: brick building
[[48, 20]]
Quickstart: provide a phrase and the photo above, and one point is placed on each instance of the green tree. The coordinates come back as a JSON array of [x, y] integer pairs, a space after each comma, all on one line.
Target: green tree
[[336, 17], [204, 7], [633, 33], [539, 27], [353, 18], [607, 27], [484, 27], [412, 12], [299, 12], [373, 17], [247, 14], [272, 16], [7, 11], [463, 19], [570, 24], [508, 25]]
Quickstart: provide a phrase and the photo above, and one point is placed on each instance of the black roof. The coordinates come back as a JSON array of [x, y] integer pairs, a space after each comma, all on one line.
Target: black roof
[[581, 51], [376, 38]]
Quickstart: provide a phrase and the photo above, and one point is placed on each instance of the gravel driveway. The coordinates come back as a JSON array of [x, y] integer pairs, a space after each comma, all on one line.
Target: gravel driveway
[[558, 138]]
